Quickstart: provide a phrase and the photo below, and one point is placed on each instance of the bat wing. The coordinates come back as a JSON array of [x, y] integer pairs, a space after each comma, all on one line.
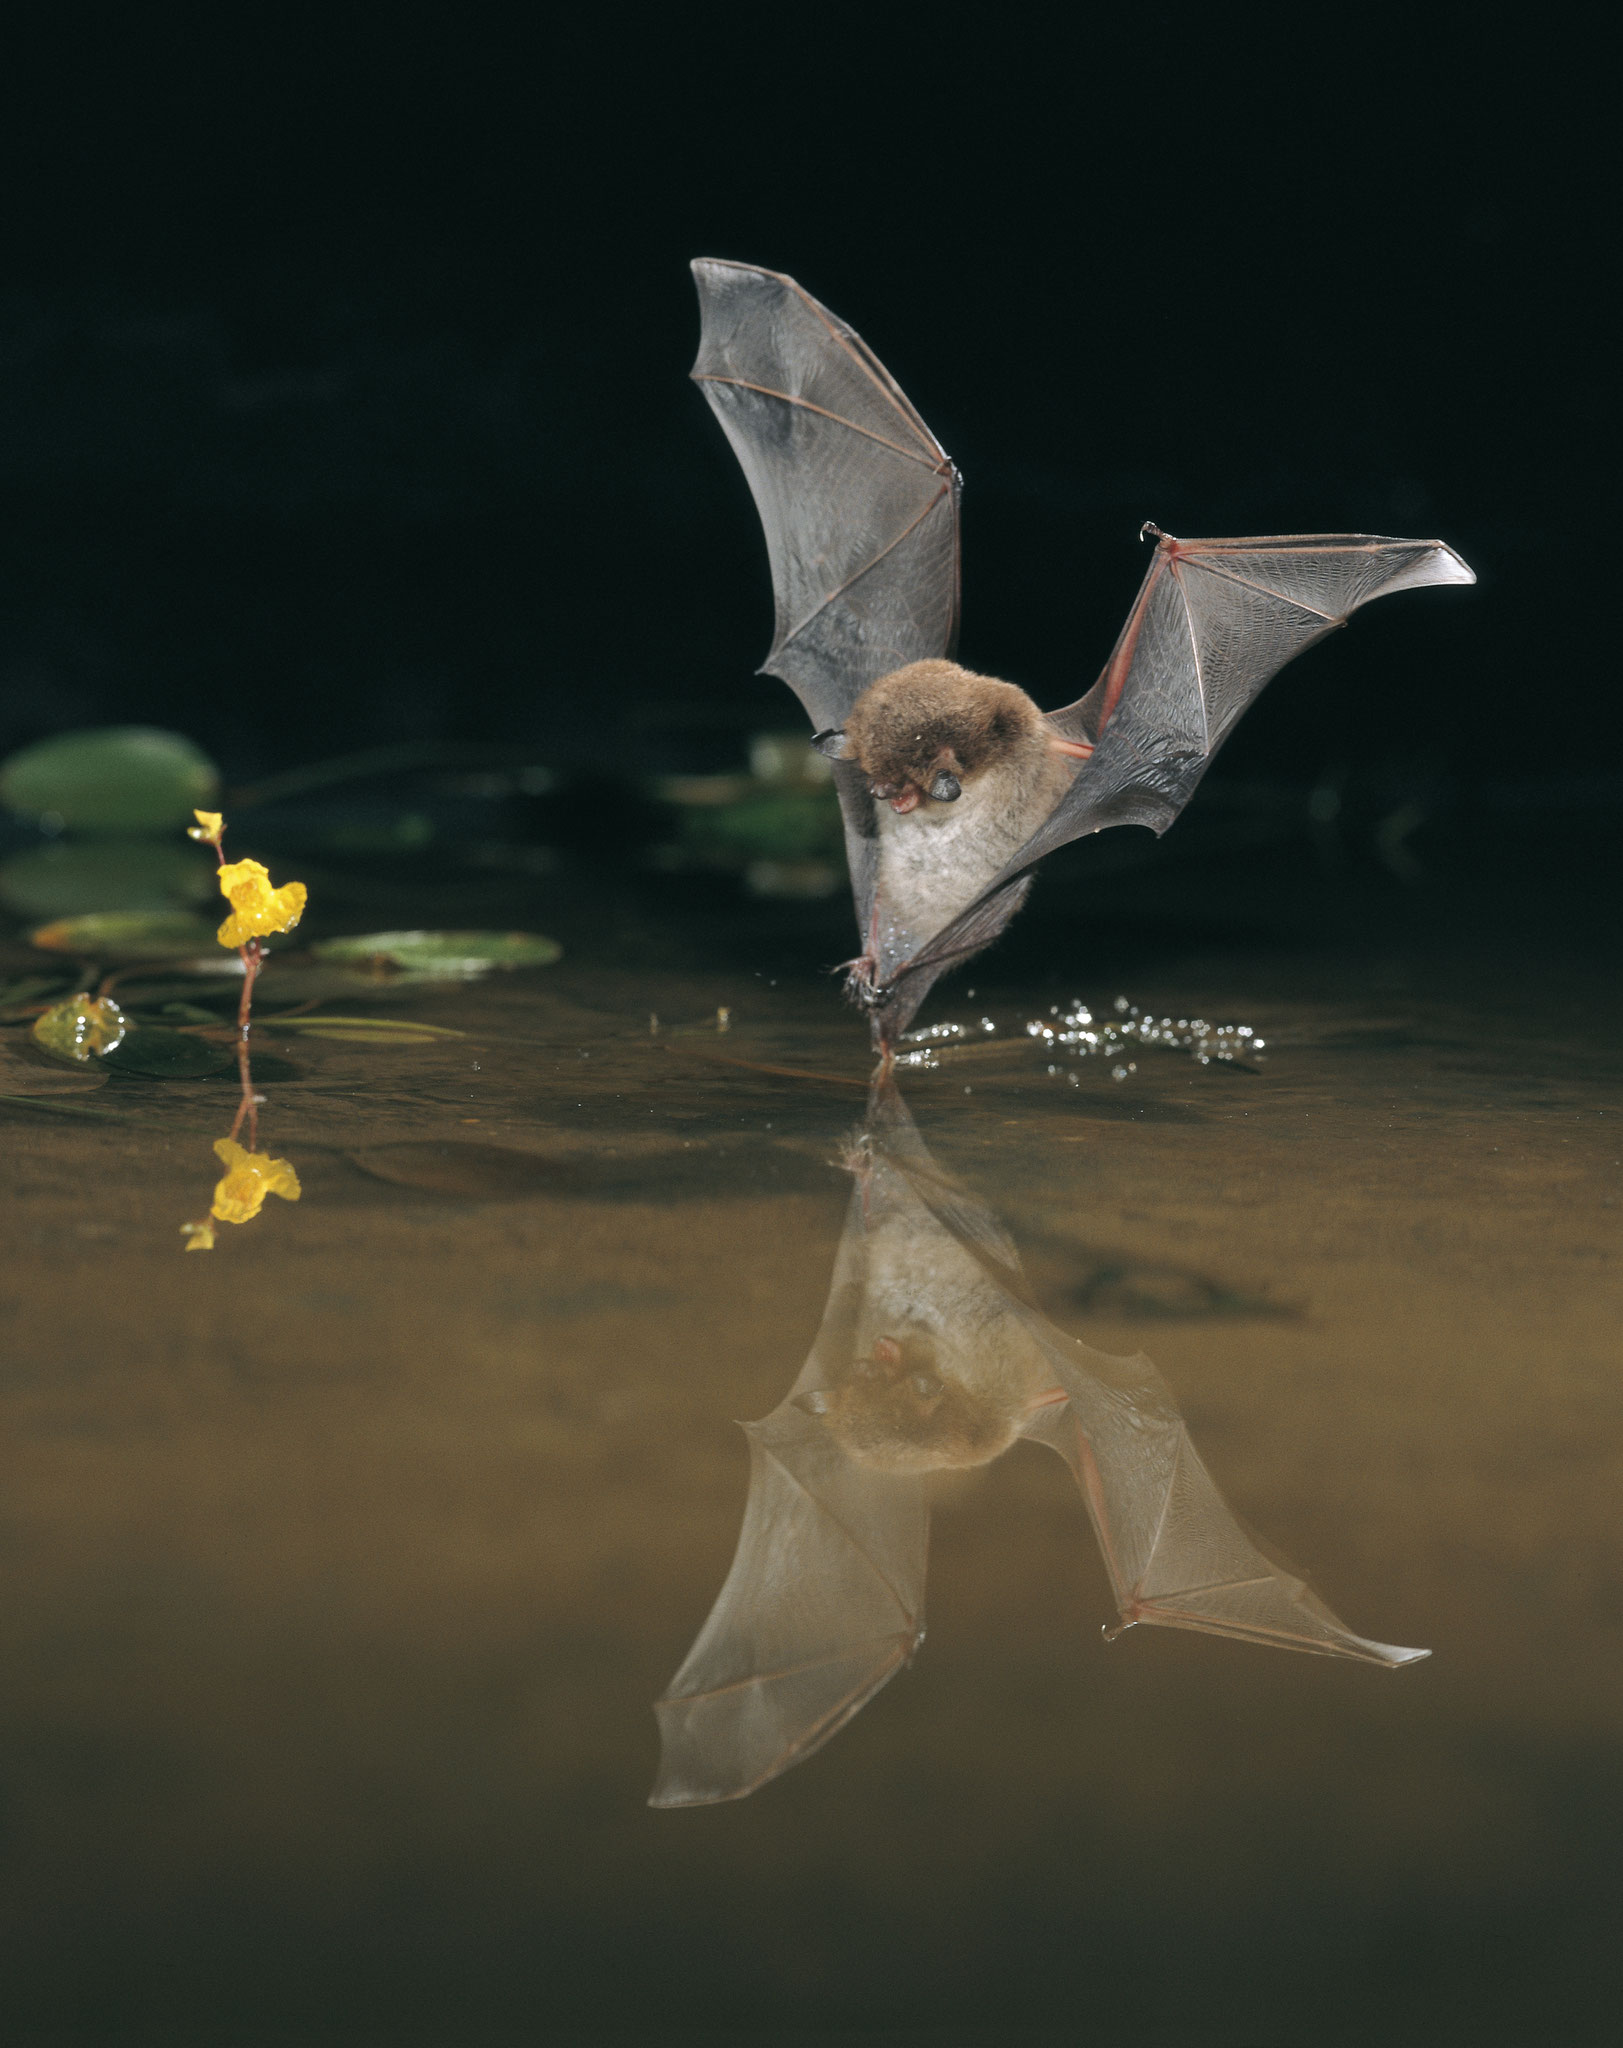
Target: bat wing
[[858, 500], [1213, 623], [823, 1604], [1174, 1552]]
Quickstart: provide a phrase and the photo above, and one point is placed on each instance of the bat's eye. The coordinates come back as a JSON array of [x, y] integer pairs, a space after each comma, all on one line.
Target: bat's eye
[[926, 1384], [946, 789]]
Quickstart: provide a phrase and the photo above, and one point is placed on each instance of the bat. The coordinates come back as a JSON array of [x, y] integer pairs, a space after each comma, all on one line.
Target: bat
[[931, 1356], [954, 785]]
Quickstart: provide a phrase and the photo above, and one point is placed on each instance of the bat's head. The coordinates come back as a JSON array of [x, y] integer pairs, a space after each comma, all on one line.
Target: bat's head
[[894, 1406], [924, 733]]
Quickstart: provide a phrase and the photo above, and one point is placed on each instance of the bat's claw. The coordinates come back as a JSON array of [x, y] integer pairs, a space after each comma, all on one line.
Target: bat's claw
[[863, 986]]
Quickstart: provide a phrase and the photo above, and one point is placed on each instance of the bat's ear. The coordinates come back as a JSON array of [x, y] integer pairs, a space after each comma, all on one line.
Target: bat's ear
[[834, 744]]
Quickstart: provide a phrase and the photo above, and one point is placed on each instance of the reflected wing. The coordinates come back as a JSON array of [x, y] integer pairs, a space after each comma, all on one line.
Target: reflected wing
[[857, 498], [1175, 1554], [1173, 1550], [1214, 621], [824, 1603]]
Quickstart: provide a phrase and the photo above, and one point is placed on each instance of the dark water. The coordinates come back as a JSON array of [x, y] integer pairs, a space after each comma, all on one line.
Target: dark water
[[342, 1564]]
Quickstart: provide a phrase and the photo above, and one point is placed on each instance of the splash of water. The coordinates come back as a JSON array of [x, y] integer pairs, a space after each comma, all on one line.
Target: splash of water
[[1073, 1033]]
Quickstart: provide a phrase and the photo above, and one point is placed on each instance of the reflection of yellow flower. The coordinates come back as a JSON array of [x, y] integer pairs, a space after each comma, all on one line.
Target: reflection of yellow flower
[[82, 1025], [210, 827], [249, 1178], [256, 908], [199, 1236]]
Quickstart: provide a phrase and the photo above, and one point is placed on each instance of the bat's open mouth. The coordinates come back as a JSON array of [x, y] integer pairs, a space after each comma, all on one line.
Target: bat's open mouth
[[901, 796]]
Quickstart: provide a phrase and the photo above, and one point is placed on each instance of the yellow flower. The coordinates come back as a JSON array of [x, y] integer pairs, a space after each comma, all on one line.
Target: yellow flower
[[256, 908], [210, 827], [199, 1236], [249, 1178], [82, 1025]]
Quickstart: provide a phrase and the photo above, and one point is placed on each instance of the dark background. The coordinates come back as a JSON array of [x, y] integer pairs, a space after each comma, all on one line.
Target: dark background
[[344, 361], [344, 401]]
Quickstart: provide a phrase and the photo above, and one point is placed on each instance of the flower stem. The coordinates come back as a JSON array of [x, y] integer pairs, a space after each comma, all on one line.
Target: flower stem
[[252, 956]]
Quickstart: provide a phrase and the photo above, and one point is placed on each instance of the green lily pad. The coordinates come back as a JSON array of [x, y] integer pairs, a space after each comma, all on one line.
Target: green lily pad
[[18, 998], [367, 1030], [123, 778], [127, 935], [158, 1054], [786, 824], [80, 1027], [455, 956], [70, 876]]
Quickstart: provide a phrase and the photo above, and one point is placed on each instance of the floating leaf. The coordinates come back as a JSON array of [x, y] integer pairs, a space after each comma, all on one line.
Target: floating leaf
[[81, 1027], [127, 935], [452, 955], [28, 988], [68, 877], [20, 1075], [158, 1054], [759, 822], [216, 979], [19, 999], [124, 778], [368, 1030]]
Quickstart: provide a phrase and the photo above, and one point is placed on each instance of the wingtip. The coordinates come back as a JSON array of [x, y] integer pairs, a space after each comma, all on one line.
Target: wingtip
[[1454, 567], [1395, 1656], [699, 264]]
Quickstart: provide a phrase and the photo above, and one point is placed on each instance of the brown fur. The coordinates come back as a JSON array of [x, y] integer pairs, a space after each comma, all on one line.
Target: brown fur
[[931, 715], [905, 1415]]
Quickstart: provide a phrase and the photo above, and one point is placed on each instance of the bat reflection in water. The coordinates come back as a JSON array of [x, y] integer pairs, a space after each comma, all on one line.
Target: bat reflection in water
[[930, 1356], [953, 785]]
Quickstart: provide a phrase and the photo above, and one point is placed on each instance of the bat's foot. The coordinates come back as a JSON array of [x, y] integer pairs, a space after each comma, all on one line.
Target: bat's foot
[[856, 1154], [862, 984]]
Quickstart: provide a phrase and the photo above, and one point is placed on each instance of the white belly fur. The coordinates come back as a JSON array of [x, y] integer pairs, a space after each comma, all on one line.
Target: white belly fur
[[921, 1282], [935, 861]]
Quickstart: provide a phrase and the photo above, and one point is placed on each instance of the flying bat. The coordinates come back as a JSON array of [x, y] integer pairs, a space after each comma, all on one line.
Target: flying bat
[[932, 1356], [953, 785]]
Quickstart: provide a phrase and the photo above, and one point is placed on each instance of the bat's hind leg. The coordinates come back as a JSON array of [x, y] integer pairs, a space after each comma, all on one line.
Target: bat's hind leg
[[862, 980], [862, 984]]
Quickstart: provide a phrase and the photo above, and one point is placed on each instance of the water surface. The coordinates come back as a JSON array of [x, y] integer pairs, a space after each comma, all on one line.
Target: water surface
[[342, 1564]]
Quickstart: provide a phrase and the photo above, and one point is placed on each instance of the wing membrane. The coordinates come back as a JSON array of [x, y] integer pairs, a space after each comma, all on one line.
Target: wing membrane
[[1213, 623], [858, 500]]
